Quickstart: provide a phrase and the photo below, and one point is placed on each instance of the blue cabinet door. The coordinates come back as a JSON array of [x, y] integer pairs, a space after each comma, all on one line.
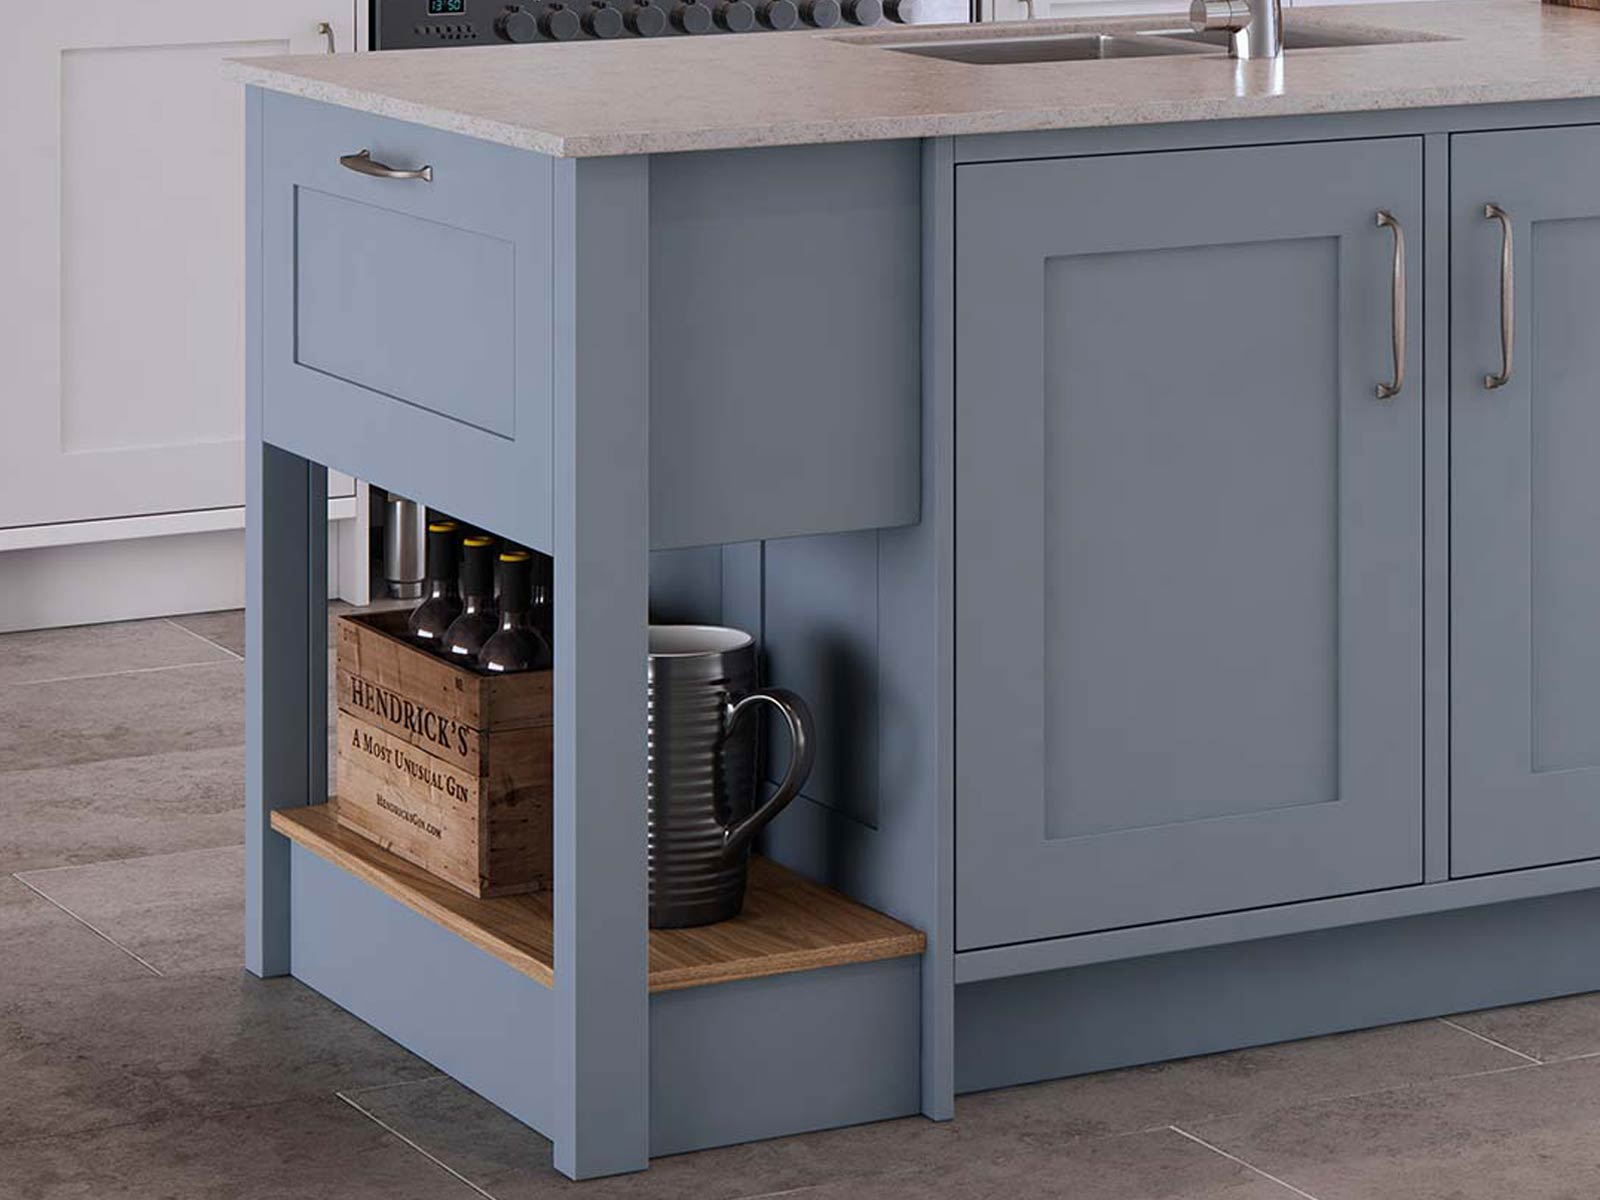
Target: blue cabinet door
[[1525, 502], [1188, 536]]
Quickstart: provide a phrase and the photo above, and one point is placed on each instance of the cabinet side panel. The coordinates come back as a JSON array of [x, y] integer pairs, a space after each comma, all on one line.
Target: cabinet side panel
[[784, 357]]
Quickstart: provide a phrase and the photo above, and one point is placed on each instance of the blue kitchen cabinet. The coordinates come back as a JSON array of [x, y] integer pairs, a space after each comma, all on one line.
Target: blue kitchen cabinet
[[1525, 499], [1171, 676], [1188, 535]]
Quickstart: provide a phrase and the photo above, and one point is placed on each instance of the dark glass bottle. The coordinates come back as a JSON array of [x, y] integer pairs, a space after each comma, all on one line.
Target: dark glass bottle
[[478, 619], [517, 645], [544, 592], [442, 603]]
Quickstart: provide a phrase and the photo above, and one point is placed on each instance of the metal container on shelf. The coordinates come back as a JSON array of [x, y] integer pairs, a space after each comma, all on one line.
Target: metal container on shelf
[[405, 547]]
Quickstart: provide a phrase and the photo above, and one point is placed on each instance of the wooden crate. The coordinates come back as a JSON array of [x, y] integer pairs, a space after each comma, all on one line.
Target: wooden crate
[[447, 768]]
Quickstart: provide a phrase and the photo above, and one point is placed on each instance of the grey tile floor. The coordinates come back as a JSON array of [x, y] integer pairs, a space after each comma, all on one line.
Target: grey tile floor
[[138, 1060]]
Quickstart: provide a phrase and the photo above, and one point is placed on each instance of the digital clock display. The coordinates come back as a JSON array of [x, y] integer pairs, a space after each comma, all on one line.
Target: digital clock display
[[446, 8]]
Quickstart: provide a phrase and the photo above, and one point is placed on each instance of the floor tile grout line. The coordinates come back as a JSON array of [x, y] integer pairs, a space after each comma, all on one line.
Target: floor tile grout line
[[130, 861], [1569, 1058], [1316, 1098], [48, 899], [1249, 1166], [399, 1083], [393, 1132], [204, 638], [1482, 1038], [188, 666]]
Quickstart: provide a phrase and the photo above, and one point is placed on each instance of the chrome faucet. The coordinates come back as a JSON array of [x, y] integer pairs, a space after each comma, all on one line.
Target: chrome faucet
[[1255, 26]]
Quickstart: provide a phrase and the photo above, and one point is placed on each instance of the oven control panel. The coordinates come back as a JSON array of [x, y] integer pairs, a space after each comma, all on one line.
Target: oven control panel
[[409, 24]]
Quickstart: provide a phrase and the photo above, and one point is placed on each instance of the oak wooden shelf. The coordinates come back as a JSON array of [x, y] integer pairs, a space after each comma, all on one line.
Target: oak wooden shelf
[[788, 924]]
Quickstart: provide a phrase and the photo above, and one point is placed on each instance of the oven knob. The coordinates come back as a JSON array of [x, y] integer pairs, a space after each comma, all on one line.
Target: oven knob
[[778, 14], [692, 17], [602, 21], [646, 19], [560, 24], [517, 24], [863, 12], [824, 14], [736, 16]]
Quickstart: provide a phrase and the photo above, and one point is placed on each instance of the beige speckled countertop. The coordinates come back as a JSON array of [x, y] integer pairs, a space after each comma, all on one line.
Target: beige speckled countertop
[[655, 96]]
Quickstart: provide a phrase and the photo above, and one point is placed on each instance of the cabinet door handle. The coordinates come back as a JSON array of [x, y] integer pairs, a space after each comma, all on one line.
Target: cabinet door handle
[[325, 28], [1508, 299], [1397, 303], [362, 163]]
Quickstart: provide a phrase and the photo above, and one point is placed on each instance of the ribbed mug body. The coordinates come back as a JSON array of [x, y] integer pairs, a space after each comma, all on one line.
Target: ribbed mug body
[[702, 781]]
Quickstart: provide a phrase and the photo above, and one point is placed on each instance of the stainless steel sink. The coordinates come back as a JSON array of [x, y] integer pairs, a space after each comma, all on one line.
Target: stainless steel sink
[[1011, 48], [1293, 39], [1067, 47]]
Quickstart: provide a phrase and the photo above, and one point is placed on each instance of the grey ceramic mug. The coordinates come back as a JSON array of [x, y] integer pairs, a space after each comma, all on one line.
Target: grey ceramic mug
[[702, 760]]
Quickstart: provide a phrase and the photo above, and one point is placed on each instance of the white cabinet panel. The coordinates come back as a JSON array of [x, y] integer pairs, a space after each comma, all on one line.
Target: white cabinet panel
[[121, 306]]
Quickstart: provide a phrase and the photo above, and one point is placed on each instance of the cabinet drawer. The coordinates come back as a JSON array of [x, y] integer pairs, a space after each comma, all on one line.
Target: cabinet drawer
[[411, 308], [407, 319]]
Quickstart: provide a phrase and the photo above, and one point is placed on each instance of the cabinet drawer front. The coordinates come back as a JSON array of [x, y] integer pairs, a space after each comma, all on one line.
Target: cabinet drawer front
[[1525, 503], [407, 323], [1189, 537], [413, 309]]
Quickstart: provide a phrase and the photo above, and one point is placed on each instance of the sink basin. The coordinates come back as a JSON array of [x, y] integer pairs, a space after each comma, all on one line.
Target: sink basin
[[1147, 43], [1293, 39], [1067, 47]]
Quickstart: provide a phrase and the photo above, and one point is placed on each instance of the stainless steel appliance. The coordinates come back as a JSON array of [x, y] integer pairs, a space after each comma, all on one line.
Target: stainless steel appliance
[[703, 781], [408, 24]]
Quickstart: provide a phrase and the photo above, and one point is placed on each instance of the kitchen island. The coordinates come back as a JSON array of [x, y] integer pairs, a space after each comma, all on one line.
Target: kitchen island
[[1168, 477]]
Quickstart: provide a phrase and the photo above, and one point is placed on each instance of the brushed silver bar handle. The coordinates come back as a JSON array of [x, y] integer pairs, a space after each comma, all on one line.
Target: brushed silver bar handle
[[1397, 302], [362, 163], [1508, 299], [325, 28]]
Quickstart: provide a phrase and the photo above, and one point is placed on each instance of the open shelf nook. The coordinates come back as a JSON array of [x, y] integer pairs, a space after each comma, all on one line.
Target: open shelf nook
[[788, 924]]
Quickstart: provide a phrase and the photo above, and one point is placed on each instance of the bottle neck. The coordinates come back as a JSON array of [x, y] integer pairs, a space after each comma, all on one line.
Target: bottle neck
[[516, 618], [442, 589], [474, 603]]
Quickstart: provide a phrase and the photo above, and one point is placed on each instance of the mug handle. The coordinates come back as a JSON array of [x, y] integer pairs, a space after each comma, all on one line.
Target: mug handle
[[802, 752]]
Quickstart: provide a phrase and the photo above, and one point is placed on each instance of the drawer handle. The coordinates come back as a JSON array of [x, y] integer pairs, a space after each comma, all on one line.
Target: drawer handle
[[1397, 303], [362, 163], [1508, 305]]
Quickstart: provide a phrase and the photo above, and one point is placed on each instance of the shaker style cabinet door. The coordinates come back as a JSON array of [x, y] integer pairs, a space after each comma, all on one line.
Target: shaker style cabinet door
[[1525, 499], [1188, 535], [122, 280]]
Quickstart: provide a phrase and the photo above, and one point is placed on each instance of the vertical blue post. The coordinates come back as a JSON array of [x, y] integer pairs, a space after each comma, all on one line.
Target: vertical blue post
[[601, 433], [286, 629], [917, 573]]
